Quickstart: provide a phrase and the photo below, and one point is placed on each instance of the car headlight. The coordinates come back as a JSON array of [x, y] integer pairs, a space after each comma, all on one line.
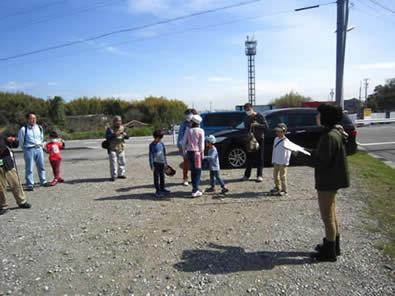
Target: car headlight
[[220, 139]]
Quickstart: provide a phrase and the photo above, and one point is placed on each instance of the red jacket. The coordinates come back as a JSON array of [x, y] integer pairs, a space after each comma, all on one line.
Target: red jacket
[[53, 149]]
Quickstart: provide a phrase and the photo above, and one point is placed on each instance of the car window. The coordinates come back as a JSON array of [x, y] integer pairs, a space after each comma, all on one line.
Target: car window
[[224, 119], [292, 120]]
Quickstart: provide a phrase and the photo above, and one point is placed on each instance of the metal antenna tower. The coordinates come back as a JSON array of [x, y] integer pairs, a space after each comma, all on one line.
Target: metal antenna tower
[[251, 53]]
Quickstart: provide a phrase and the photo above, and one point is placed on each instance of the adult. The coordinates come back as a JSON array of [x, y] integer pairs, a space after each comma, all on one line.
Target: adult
[[116, 136], [9, 175], [255, 123], [186, 124], [193, 146], [31, 139], [331, 174]]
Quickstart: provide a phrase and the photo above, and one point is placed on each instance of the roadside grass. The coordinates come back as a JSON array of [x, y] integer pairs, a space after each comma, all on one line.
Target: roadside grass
[[379, 181]]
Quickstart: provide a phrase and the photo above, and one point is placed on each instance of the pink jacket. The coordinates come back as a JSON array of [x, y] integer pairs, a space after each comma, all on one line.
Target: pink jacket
[[194, 140]]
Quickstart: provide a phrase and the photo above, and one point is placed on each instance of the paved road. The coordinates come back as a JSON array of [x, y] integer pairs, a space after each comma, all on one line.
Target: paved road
[[379, 140]]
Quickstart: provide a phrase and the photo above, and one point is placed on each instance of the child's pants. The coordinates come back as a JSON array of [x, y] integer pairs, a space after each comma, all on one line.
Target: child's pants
[[55, 164], [195, 172], [185, 168], [280, 176], [117, 163], [214, 176], [36, 155], [327, 203], [159, 176], [11, 178]]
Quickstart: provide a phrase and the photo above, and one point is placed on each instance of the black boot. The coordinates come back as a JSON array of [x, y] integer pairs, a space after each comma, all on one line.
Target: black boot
[[327, 253], [338, 251]]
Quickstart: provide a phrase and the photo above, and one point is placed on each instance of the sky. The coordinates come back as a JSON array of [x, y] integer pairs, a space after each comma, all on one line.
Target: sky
[[199, 60]]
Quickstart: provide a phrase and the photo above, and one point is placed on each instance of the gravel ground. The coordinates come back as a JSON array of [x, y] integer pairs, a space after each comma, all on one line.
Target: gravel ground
[[92, 237]]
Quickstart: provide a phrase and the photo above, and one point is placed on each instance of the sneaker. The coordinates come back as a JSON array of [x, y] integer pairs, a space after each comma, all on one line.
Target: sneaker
[[122, 177], [29, 188], [210, 190], [224, 190], [46, 184], [185, 183], [159, 194], [54, 182], [165, 191], [197, 194], [275, 190], [25, 206], [3, 211], [283, 193], [259, 179], [112, 179]]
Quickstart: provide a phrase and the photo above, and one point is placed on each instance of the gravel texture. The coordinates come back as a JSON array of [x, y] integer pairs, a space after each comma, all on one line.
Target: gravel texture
[[89, 236]]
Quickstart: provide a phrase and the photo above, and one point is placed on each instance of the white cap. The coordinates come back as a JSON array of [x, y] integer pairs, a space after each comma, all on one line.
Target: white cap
[[197, 119], [211, 139]]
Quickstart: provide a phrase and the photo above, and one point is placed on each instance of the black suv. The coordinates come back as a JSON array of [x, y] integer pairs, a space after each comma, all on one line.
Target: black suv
[[302, 130]]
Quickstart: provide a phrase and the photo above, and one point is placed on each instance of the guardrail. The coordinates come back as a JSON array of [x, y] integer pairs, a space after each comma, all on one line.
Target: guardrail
[[374, 121]]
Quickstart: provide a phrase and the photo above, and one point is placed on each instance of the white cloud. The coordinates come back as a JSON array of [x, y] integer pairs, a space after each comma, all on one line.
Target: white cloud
[[377, 66], [219, 79], [15, 86]]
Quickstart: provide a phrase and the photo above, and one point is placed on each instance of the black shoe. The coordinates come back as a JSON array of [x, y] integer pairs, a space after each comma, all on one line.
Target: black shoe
[[29, 189], [25, 206], [46, 184], [122, 177], [3, 211], [327, 252], [112, 179], [224, 190], [338, 251]]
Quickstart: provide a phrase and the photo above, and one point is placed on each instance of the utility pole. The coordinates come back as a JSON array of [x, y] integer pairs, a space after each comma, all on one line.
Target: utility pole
[[211, 106], [366, 84], [341, 32], [360, 91]]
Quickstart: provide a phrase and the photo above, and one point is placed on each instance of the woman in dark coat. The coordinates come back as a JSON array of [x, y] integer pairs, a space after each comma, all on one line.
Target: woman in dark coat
[[331, 174]]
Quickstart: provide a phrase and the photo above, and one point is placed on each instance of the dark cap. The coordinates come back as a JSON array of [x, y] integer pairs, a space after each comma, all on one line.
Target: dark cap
[[281, 127]]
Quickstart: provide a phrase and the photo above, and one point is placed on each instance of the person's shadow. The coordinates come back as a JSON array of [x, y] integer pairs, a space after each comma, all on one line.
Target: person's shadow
[[228, 259]]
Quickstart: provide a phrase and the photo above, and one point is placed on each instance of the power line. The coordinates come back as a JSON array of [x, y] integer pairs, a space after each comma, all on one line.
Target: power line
[[382, 6], [56, 17], [136, 28], [169, 34]]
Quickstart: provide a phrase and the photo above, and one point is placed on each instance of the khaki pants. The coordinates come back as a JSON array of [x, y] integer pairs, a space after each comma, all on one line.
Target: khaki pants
[[327, 203], [11, 178], [280, 176]]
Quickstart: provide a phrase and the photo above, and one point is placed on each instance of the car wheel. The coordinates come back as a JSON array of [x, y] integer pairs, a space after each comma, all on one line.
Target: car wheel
[[236, 157]]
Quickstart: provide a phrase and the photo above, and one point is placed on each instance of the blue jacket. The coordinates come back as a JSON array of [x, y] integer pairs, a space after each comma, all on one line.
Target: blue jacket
[[183, 127], [213, 159], [157, 154]]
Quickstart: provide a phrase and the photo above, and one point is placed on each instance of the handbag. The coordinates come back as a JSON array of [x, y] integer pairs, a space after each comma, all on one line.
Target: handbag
[[105, 144], [252, 144], [169, 171]]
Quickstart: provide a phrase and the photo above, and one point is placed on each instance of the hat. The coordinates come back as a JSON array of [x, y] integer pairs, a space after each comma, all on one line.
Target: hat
[[197, 119], [211, 139], [281, 127]]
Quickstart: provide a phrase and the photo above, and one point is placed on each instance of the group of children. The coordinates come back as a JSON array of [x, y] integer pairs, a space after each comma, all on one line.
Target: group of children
[[192, 148]]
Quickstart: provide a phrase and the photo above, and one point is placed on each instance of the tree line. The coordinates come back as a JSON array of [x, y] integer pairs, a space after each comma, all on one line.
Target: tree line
[[159, 112]]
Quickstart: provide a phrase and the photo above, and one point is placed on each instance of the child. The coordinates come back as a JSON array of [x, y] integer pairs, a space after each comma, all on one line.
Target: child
[[280, 160], [53, 147], [158, 163], [193, 147], [213, 163]]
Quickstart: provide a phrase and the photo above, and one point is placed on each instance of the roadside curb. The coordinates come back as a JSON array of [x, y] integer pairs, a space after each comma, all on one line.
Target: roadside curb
[[387, 162]]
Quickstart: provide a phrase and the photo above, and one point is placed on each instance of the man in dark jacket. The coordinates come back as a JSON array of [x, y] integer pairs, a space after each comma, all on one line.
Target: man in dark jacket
[[255, 123], [331, 174], [8, 173]]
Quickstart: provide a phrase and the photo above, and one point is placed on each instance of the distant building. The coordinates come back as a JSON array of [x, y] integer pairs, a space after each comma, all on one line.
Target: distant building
[[353, 106], [135, 124]]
